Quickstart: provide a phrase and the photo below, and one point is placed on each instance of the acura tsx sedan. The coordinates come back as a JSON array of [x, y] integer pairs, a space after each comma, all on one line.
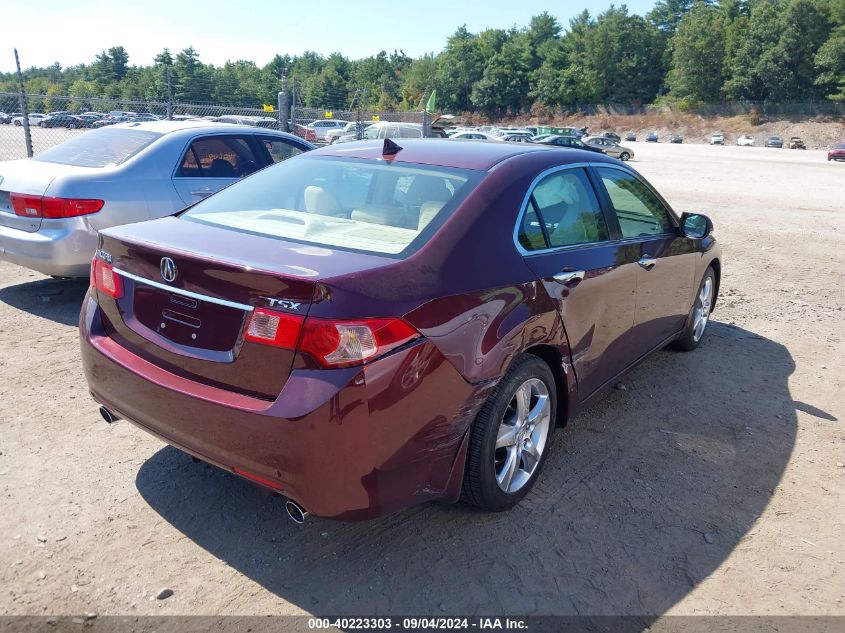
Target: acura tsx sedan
[[370, 326]]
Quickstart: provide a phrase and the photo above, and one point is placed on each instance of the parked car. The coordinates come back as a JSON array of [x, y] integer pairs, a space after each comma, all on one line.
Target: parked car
[[352, 128], [517, 138], [774, 141], [676, 138], [609, 147], [612, 136], [746, 140], [60, 120], [651, 137], [34, 119], [568, 141], [85, 121], [430, 317], [524, 134], [475, 135], [630, 137], [52, 205], [796, 143], [321, 126], [717, 138], [837, 153], [5, 119], [112, 120]]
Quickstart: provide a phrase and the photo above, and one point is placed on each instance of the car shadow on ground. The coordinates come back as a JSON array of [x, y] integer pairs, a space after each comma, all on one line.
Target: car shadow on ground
[[644, 495], [56, 299]]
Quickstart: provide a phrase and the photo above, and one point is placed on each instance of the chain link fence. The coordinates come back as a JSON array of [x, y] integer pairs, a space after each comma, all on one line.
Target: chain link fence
[[53, 119]]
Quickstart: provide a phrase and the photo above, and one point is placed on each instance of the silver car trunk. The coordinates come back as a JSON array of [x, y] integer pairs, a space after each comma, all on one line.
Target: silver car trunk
[[28, 177]]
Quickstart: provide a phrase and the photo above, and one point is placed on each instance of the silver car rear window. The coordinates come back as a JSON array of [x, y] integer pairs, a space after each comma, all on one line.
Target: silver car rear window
[[99, 148]]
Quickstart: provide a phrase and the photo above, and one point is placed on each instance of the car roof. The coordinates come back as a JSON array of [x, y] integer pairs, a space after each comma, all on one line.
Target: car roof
[[171, 127], [468, 154]]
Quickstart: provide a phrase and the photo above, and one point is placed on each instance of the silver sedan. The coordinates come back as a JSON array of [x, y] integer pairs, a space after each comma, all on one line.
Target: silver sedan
[[52, 205], [610, 147]]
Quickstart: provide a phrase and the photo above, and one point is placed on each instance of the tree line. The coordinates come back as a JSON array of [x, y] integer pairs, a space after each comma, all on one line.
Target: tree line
[[683, 52]]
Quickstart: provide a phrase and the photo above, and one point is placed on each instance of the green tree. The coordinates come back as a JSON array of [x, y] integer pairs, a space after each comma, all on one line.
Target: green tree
[[459, 66], [698, 55]]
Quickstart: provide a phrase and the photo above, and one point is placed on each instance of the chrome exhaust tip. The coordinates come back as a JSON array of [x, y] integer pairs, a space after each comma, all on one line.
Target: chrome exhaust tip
[[295, 511], [109, 416]]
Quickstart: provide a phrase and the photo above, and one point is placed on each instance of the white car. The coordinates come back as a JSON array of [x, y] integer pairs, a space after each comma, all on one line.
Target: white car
[[476, 135], [350, 128], [746, 140], [34, 119], [322, 126], [717, 138]]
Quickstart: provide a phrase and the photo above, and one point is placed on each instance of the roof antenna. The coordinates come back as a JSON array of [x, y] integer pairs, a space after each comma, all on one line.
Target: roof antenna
[[390, 148]]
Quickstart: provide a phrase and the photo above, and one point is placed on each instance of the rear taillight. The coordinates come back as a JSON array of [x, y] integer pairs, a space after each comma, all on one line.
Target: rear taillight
[[105, 279], [53, 208], [332, 343], [274, 328], [345, 343]]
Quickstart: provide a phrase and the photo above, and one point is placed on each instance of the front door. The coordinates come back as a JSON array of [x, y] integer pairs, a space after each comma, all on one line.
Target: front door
[[564, 237], [665, 257]]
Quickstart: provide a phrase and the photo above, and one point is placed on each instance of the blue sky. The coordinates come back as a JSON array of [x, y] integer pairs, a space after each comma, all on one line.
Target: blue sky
[[73, 32]]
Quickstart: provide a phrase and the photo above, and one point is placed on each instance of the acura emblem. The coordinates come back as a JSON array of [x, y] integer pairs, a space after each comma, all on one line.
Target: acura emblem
[[168, 269]]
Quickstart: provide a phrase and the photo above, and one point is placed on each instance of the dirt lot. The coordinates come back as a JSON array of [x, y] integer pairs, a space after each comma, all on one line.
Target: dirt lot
[[712, 483]]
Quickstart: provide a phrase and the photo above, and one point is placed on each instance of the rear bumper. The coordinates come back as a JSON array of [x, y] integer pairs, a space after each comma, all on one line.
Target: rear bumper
[[63, 248], [348, 443]]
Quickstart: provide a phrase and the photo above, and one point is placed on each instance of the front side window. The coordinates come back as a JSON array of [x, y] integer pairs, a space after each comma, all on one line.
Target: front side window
[[639, 211], [563, 211], [363, 205], [219, 157]]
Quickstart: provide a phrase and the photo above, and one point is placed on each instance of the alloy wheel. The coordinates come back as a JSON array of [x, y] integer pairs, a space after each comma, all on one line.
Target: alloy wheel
[[522, 435], [703, 303]]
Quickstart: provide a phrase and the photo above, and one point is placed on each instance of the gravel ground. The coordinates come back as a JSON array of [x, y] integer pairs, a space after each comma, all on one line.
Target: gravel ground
[[708, 483]]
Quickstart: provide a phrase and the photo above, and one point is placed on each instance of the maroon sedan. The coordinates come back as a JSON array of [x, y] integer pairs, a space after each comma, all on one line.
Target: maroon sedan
[[367, 327], [837, 153]]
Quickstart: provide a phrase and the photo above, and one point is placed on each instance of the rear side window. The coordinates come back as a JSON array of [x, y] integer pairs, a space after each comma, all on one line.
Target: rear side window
[[362, 205], [563, 209], [219, 157], [280, 150], [105, 147], [639, 211]]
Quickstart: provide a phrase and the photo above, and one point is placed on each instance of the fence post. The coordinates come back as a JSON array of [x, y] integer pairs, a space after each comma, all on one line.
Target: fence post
[[27, 136], [169, 96], [283, 104], [293, 105]]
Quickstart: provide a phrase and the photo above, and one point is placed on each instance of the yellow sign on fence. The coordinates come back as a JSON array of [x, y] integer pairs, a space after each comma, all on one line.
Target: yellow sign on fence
[[328, 115], [268, 108], [376, 117]]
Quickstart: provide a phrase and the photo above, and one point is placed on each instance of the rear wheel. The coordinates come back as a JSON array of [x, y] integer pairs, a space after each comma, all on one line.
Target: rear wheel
[[509, 439], [700, 316]]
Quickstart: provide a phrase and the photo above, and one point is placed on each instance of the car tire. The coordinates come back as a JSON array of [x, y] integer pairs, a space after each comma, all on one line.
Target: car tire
[[18, 123], [519, 417], [624, 156], [699, 315]]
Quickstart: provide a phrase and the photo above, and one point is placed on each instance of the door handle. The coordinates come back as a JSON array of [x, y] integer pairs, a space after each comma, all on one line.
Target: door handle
[[202, 193], [569, 277], [647, 262]]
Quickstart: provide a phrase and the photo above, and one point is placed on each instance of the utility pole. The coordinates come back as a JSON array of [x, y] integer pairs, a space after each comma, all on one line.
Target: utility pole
[[27, 136]]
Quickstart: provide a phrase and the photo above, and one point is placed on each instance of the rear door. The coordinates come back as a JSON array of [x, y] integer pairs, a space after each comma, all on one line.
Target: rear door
[[665, 257], [565, 238], [210, 163]]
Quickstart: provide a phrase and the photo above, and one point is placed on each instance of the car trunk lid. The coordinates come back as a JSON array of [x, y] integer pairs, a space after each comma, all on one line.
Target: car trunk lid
[[30, 178], [188, 312]]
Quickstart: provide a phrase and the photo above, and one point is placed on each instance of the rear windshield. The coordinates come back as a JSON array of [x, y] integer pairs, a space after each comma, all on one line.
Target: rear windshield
[[99, 148], [361, 205]]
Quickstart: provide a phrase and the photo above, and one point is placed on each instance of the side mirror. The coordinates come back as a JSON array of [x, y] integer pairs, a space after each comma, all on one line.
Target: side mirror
[[696, 225]]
